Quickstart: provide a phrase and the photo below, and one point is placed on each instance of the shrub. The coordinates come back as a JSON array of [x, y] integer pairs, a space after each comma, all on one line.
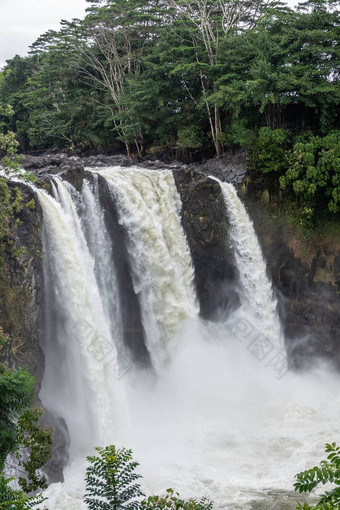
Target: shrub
[[327, 472], [110, 480], [173, 501], [110, 484], [12, 499]]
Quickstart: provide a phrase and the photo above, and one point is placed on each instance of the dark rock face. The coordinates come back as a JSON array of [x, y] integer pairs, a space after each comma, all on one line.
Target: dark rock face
[[230, 168], [22, 294], [69, 168], [101, 160], [307, 283], [205, 223], [61, 444]]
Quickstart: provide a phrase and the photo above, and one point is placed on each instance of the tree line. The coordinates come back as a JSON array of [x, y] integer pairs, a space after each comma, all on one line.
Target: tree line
[[203, 76], [193, 74]]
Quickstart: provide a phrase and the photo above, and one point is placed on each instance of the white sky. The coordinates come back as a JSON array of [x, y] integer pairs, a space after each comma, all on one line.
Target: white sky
[[22, 21]]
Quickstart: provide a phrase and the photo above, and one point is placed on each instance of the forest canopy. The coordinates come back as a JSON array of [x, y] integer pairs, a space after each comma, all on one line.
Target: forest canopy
[[197, 74], [203, 76]]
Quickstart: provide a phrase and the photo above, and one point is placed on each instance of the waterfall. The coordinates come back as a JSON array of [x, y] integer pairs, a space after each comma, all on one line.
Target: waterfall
[[80, 353], [149, 210], [257, 290], [216, 420], [102, 253]]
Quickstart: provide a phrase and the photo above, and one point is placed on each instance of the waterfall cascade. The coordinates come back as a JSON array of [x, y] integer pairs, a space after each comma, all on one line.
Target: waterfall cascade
[[214, 421], [149, 210], [77, 330], [257, 289]]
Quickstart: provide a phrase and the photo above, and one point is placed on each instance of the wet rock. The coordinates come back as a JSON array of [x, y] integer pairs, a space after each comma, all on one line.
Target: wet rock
[[72, 171], [53, 469], [306, 280], [230, 168], [101, 160], [205, 223]]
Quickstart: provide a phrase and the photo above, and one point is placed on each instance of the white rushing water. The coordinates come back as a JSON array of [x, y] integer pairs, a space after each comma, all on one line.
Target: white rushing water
[[80, 353], [257, 289], [149, 210], [224, 417]]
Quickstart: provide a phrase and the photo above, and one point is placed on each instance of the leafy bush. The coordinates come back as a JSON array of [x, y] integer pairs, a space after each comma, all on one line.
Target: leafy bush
[[19, 428], [12, 499], [190, 137], [110, 480], [269, 150], [36, 442], [173, 501], [15, 397], [327, 472], [313, 175]]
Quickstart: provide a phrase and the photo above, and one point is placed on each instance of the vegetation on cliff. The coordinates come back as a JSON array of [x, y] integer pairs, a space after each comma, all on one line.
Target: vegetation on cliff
[[22, 440]]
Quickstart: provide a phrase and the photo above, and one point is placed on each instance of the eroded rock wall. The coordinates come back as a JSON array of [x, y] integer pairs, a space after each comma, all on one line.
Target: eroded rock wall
[[306, 277], [22, 288], [205, 222]]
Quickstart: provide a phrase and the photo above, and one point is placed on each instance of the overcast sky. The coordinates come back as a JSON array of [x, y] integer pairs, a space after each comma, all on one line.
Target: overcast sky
[[22, 21]]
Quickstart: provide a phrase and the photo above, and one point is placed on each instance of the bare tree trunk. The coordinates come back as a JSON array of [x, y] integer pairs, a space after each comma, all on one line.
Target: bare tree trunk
[[127, 147], [218, 130]]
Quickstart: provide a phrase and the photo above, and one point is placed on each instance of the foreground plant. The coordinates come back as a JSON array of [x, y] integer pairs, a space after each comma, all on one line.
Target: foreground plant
[[110, 484], [12, 499], [173, 501], [327, 472], [110, 480]]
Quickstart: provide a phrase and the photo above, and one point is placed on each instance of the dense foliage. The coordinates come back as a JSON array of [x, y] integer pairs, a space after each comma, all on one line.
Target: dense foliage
[[110, 480], [179, 73], [20, 436], [327, 472], [203, 76], [13, 499]]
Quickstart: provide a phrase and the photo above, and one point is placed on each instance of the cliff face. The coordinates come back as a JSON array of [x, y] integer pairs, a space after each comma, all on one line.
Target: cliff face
[[21, 284], [205, 223], [306, 277]]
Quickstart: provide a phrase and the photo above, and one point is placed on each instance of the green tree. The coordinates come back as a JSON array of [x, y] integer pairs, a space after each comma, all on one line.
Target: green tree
[[110, 480], [12, 86], [327, 472], [20, 432], [12, 499], [313, 173], [8, 143], [16, 395]]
